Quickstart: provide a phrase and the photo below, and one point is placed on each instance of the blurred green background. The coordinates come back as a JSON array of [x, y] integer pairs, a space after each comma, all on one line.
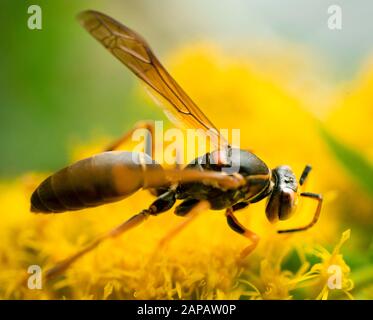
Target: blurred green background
[[59, 87]]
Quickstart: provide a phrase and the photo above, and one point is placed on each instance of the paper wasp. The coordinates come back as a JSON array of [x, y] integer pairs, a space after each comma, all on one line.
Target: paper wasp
[[114, 175]]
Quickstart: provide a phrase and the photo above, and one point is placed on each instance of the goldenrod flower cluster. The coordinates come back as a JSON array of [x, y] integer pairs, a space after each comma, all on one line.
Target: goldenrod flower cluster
[[278, 109]]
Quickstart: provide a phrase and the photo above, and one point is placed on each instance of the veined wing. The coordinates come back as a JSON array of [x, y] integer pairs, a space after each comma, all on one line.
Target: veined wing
[[133, 51]]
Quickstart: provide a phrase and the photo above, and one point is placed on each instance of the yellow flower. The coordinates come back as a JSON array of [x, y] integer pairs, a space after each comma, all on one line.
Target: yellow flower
[[330, 263], [276, 122]]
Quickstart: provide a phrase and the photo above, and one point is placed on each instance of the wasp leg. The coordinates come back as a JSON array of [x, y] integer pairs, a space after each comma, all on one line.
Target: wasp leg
[[161, 204], [149, 146], [149, 142], [318, 198], [236, 226], [190, 208]]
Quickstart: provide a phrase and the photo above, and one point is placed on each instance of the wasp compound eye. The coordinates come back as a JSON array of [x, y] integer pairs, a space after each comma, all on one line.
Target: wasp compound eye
[[287, 204]]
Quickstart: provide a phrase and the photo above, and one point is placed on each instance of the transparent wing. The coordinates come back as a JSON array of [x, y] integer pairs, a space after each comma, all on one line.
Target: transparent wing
[[133, 51]]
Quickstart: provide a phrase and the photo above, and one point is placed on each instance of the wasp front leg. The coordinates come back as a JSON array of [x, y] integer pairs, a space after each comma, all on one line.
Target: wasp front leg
[[316, 216], [236, 226]]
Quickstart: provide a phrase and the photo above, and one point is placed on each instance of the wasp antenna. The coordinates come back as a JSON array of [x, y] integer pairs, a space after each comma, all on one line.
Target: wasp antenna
[[304, 174]]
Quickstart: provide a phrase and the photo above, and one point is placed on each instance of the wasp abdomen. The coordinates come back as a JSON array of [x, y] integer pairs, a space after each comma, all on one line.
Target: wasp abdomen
[[100, 179]]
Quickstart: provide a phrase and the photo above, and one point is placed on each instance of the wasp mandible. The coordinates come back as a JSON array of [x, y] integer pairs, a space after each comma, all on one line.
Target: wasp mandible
[[114, 175]]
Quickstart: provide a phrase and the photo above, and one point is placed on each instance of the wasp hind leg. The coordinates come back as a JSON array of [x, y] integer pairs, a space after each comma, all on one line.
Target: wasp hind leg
[[236, 226], [149, 142], [161, 204], [149, 146]]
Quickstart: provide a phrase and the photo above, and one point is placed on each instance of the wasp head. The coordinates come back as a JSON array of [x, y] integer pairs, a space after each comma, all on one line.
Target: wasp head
[[284, 196]]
